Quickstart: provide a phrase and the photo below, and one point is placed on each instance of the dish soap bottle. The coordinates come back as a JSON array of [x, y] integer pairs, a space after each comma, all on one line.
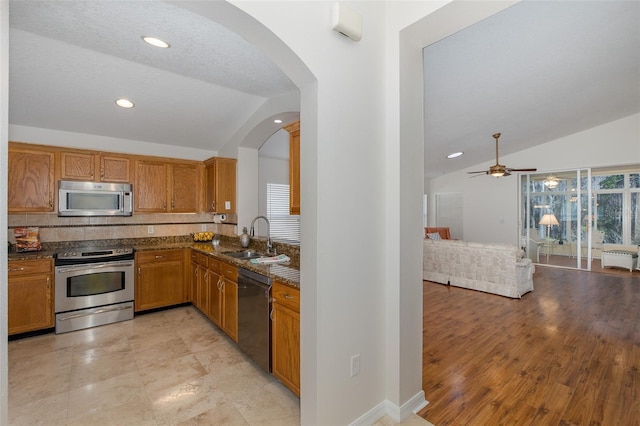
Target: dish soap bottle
[[245, 239]]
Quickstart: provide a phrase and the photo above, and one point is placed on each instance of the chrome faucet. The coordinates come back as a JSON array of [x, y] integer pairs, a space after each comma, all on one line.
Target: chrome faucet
[[252, 232]]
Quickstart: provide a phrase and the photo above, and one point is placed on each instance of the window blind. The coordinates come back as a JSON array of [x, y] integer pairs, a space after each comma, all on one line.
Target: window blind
[[284, 227]]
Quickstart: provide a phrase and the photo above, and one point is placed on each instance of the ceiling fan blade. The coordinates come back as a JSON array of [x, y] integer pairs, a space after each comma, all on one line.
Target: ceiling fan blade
[[521, 170], [483, 172]]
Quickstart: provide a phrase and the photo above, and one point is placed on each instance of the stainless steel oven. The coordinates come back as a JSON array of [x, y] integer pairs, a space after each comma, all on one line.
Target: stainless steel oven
[[93, 286]]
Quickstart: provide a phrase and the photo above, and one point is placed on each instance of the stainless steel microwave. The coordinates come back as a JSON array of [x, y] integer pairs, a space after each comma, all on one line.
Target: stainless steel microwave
[[94, 199]]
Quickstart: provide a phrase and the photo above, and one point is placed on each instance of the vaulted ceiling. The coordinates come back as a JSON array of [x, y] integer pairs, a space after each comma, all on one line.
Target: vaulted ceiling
[[537, 71]]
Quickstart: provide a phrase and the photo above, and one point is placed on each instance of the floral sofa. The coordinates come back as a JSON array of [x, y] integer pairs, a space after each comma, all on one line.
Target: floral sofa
[[493, 268]]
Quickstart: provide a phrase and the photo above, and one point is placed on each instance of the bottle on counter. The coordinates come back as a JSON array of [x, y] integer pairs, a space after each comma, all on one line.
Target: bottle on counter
[[245, 239]]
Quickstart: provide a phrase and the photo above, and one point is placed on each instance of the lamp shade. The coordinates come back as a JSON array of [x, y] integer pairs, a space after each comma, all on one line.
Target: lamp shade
[[548, 219]]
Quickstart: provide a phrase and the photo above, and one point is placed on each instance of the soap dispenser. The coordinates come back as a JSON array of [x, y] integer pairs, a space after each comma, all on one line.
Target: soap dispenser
[[245, 239]]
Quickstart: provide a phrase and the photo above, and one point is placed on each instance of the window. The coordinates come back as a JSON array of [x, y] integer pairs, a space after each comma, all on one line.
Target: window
[[284, 227]]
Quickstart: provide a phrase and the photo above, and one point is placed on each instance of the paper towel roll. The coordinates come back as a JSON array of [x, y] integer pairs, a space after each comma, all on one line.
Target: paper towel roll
[[219, 218]]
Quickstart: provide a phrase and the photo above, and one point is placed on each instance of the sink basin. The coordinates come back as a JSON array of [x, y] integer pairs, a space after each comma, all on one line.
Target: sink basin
[[246, 254]]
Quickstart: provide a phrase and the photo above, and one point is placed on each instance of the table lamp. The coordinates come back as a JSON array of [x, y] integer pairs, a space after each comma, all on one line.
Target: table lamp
[[548, 219]]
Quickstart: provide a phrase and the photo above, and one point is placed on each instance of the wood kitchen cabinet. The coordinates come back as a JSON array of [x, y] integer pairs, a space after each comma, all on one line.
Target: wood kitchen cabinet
[[184, 188], [166, 187], [214, 279], [220, 185], [199, 284], [285, 335], [30, 295], [160, 279], [294, 167], [30, 179], [95, 167], [229, 296]]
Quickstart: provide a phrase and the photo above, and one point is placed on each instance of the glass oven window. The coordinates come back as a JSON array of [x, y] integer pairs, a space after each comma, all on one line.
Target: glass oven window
[[98, 283]]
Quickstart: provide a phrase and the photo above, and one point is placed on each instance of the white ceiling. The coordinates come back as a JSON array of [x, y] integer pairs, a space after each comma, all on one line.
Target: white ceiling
[[70, 60], [535, 72]]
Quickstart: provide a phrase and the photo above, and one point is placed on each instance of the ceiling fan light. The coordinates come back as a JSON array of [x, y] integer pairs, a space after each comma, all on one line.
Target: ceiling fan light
[[497, 174], [551, 183]]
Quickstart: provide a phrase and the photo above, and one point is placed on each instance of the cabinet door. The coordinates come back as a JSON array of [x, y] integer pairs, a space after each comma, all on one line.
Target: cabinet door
[[115, 169], [159, 281], [220, 185], [230, 308], [193, 293], [215, 298], [30, 303], [30, 180], [151, 182], [285, 346], [285, 335], [185, 188], [77, 166], [294, 167]]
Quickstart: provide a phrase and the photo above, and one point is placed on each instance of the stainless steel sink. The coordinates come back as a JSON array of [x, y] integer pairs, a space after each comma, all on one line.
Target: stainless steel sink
[[244, 255]]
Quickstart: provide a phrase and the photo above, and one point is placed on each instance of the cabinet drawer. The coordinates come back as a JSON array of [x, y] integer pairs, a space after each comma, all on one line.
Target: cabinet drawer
[[215, 265], [286, 295], [159, 255], [18, 268], [229, 272], [201, 259]]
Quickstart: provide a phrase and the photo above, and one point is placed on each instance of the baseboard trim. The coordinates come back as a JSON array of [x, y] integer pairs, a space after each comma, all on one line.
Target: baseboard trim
[[386, 408]]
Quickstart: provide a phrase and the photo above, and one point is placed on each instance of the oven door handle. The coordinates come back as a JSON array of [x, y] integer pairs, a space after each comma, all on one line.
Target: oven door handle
[[91, 266], [96, 312]]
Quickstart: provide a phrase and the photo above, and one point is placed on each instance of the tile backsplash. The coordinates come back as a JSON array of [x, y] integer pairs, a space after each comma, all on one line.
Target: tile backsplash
[[57, 229]]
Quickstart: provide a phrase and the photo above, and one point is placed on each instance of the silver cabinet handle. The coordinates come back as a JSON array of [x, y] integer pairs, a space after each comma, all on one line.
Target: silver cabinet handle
[[286, 296], [160, 257], [15, 269]]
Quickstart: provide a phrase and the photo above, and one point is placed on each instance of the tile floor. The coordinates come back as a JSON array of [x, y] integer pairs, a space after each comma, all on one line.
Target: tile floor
[[165, 368], [170, 367]]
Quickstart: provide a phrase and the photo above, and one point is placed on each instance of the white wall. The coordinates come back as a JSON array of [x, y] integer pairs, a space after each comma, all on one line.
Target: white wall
[[491, 205], [271, 170], [4, 135]]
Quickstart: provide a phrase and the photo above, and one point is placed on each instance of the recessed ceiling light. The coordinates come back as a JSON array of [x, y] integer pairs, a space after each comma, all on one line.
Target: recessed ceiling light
[[156, 42], [124, 103], [455, 154], [277, 121]]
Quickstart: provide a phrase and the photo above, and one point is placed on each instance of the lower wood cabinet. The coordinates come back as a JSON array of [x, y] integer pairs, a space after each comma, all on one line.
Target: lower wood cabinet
[[30, 295], [229, 295], [285, 335], [160, 279], [215, 291]]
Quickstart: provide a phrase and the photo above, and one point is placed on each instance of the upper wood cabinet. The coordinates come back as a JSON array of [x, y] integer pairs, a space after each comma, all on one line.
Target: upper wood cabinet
[[150, 186], [220, 185], [294, 167], [30, 179], [167, 187], [87, 166], [185, 188]]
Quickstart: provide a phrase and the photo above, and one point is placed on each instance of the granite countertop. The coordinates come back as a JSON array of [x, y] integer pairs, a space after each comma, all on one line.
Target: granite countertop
[[285, 273], [280, 271]]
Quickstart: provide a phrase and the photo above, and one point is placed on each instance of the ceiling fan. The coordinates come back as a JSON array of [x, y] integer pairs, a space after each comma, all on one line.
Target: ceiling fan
[[498, 169]]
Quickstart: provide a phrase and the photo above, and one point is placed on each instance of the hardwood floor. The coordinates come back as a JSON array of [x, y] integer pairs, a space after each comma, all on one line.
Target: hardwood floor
[[567, 353]]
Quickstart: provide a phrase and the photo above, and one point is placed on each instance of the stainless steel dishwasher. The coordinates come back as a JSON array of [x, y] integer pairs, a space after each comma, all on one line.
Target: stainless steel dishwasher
[[254, 328]]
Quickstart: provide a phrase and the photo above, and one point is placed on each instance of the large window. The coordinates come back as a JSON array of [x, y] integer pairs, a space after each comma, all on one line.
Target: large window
[[284, 227]]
